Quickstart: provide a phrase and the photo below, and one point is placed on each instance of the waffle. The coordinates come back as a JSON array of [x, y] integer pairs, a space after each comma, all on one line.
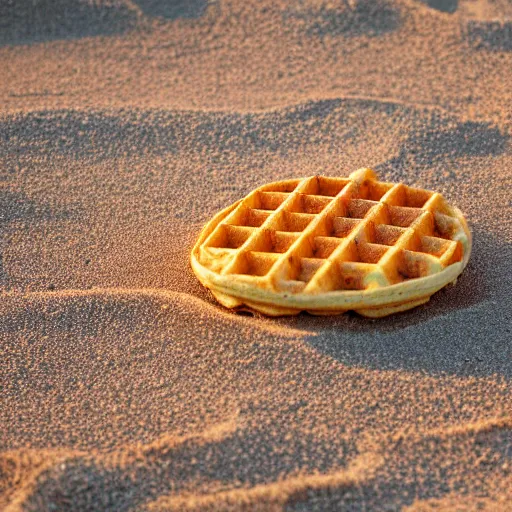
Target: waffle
[[328, 245]]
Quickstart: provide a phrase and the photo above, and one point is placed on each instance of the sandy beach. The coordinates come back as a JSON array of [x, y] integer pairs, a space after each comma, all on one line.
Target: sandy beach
[[125, 125]]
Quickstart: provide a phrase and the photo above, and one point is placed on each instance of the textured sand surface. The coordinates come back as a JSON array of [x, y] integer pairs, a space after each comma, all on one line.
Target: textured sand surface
[[124, 126]]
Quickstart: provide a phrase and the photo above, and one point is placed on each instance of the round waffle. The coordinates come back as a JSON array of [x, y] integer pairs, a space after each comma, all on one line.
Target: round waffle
[[328, 245]]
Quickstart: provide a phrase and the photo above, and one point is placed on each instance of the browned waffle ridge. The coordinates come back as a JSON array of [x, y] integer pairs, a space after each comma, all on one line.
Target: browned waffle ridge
[[327, 245]]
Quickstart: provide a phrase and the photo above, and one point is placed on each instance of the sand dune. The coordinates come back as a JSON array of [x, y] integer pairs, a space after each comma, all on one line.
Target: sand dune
[[125, 125], [278, 53], [145, 355], [70, 479]]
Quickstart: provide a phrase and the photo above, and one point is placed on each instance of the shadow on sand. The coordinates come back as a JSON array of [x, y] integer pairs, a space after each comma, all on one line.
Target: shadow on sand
[[462, 330], [435, 144], [348, 19], [173, 9], [36, 21], [491, 36], [29, 21], [449, 6]]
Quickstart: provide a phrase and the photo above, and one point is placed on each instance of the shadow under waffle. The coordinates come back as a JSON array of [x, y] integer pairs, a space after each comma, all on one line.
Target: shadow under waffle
[[436, 337]]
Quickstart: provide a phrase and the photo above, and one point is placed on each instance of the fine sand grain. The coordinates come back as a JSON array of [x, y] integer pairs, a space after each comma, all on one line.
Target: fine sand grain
[[124, 126]]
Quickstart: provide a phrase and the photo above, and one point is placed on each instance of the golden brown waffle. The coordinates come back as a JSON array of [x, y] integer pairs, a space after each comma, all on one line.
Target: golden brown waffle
[[328, 245]]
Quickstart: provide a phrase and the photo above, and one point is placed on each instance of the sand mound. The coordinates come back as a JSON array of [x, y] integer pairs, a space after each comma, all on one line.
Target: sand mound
[[162, 475]]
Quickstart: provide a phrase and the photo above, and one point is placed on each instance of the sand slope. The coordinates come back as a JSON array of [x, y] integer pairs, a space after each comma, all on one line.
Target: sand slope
[[125, 125]]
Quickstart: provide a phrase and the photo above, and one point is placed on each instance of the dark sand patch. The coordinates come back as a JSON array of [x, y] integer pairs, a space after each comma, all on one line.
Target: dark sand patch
[[442, 141], [173, 9], [491, 36], [34, 21], [449, 6], [350, 19]]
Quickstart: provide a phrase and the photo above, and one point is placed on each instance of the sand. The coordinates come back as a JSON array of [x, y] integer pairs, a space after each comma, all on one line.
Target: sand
[[124, 126]]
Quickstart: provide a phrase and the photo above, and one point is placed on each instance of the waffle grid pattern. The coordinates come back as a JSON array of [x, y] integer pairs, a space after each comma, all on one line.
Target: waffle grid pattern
[[332, 234]]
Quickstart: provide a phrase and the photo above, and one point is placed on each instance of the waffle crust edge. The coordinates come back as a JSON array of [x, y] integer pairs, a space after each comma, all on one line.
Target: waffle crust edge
[[347, 233]]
